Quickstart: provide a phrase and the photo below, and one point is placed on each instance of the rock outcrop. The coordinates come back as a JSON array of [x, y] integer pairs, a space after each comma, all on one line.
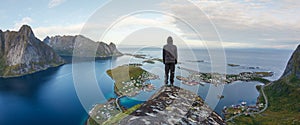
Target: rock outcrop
[[289, 82], [173, 105], [64, 45], [293, 66], [22, 53]]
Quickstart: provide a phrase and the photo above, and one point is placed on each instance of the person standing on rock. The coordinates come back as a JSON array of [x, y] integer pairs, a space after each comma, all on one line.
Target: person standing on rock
[[170, 60]]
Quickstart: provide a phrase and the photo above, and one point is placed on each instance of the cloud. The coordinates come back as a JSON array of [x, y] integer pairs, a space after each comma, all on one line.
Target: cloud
[[23, 21], [131, 24], [42, 32], [54, 3], [251, 21]]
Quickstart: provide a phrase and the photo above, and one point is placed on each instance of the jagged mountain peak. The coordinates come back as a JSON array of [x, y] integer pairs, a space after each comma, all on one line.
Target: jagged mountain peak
[[64, 45], [26, 30], [22, 53], [112, 44]]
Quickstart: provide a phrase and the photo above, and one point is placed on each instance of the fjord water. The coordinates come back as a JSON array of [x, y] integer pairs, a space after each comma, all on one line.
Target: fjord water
[[49, 97]]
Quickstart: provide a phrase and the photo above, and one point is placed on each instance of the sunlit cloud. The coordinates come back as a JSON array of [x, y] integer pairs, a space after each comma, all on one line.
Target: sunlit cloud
[[23, 21], [254, 22], [42, 32], [246, 23], [54, 3]]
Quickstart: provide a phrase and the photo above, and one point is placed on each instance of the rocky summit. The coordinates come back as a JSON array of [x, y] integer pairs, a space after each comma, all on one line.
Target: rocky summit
[[22, 53], [64, 45], [293, 66], [173, 105]]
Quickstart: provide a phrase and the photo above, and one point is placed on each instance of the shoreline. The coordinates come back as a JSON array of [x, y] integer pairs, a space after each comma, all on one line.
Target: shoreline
[[34, 72], [196, 77]]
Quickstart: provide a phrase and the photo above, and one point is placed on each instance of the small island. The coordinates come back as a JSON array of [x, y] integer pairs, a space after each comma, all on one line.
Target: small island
[[131, 79], [140, 56], [195, 61], [108, 113], [233, 65], [146, 59], [196, 77], [149, 61]]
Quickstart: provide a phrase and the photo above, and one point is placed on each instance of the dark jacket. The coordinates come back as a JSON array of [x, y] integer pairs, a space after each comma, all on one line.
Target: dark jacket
[[170, 53]]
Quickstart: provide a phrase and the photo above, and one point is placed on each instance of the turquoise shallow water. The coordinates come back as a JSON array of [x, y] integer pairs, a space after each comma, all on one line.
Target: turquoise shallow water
[[49, 97]]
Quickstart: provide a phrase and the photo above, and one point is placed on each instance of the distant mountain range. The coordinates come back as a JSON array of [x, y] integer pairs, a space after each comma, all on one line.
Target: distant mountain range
[[22, 53], [64, 46]]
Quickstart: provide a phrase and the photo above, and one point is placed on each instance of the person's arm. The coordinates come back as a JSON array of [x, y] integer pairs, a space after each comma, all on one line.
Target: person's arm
[[164, 53], [176, 55]]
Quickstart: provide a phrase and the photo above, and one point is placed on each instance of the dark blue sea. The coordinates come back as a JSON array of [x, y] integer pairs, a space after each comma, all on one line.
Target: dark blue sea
[[50, 97]]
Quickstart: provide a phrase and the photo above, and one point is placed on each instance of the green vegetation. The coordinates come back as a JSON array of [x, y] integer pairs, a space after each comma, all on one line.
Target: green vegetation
[[91, 121], [259, 79], [2, 66], [158, 59], [123, 74], [19, 69], [197, 61], [120, 116], [149, 61], [283, 96], [141, 56], [265, 74], [64, 52], [115, 119], [233, 65], [231, 112]]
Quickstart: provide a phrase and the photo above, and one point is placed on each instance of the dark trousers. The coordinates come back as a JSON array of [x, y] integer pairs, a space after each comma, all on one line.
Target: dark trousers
[[169, 68]]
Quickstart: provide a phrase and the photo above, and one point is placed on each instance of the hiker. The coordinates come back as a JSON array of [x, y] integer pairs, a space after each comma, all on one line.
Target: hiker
[[170, 60]]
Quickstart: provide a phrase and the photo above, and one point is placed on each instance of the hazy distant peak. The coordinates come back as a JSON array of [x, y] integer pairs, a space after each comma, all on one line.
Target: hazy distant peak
[[64, 45]]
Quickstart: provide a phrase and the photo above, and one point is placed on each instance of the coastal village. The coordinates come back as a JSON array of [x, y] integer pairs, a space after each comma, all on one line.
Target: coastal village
[[131, 79], [134, 86], [242, 108], [196, 78], [102, 112], [128, 84]]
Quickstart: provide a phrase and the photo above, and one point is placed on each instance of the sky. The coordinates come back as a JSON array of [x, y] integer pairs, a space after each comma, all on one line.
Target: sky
[[195, 23]]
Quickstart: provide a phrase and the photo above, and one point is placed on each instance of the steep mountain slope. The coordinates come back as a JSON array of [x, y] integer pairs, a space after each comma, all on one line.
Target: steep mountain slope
[[64, 45], [284, 93], [283, 96], [22, 53], [293, 66]]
